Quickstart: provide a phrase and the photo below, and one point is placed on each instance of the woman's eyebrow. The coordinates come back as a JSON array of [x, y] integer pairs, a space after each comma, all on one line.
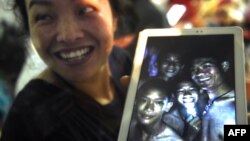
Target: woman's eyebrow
[[39, 2]]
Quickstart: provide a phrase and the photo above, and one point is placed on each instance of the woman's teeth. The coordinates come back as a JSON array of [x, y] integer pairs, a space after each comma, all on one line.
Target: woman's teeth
[[74, 54]]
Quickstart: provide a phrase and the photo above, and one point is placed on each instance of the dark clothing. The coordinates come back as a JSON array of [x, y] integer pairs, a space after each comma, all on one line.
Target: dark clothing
[[44, 112]]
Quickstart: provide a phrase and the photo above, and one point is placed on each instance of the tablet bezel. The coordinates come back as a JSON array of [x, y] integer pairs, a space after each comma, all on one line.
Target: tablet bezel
[[240, 90]]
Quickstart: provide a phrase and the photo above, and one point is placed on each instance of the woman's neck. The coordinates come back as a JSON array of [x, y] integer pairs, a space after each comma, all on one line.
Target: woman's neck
[[99, 87]]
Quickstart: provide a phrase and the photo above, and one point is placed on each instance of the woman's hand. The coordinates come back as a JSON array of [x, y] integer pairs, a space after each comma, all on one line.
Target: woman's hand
[[125, 81]]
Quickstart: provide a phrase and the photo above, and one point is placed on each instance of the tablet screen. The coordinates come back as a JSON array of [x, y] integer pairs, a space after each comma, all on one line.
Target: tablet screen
[[185, 86]]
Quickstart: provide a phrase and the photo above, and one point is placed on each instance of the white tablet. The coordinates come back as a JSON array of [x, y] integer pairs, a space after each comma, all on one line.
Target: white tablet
[[186, 84]]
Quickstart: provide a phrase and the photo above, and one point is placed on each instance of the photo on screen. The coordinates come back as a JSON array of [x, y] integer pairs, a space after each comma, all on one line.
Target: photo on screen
[[186, 89]]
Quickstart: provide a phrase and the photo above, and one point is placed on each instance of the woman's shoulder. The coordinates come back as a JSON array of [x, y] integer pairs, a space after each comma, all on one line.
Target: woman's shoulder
[[39, 99], [36, 89], [37, 107], [37, 94]]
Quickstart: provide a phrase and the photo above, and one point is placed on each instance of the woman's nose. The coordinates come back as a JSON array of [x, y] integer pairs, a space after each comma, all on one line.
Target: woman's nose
[[68, 30]]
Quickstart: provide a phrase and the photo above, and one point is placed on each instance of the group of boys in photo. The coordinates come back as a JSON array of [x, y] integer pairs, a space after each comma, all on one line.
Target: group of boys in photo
[[182, 99]]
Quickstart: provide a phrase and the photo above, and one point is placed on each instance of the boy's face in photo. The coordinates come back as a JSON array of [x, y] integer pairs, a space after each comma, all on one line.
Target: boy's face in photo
[[171, 65], [151, 106], [206, 74], [187, 94]]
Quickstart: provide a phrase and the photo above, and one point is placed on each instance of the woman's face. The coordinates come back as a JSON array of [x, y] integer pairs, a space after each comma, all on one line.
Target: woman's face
[[187, 94], [206, 74], [151, 106], [171, 65], [73, 37]]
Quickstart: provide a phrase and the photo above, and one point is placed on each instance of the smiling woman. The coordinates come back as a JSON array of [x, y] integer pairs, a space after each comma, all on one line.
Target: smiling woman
[[79, 95]]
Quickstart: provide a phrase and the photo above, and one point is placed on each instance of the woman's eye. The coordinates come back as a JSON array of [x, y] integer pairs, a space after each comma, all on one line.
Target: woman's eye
[[42, 18], [84, 10]]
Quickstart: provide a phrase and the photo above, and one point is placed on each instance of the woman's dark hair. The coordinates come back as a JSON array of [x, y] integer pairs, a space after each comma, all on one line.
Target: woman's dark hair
[[118, 8], [21, 13], [127, 21], [12, 52]]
